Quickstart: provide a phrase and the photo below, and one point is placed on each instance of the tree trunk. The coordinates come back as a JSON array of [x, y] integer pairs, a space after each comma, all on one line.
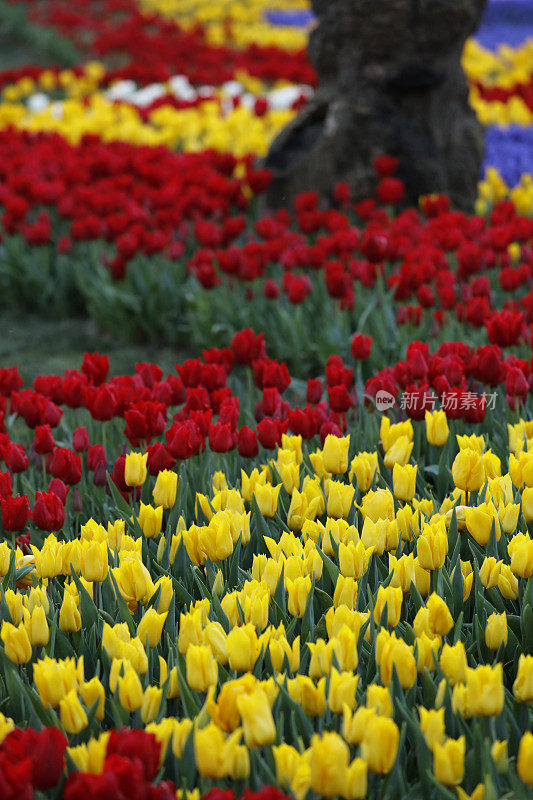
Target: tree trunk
[[390, 81]]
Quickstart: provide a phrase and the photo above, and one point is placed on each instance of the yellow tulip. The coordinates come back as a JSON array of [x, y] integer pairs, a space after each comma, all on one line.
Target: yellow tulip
[[363, 467], [440, 619], [448, 761], [91, 692], [524, 763], [496, 632], [151, 704], [165, 488], [520, 549], [69, 616], [342, 686], [340, 497], [379, 746], [467, 470], [135, 469], [484, 687], [432, 725], [523, 685], [150, 519], [392, 598], [432, 545], [267, 498], [202, 668], [330, 756], [258, 723], [437, 427], [150, 627], [130, 690], [404, 481], [73, 715], [37, 627], [335, 453], [453, 662], [399, 453], [16, 642]]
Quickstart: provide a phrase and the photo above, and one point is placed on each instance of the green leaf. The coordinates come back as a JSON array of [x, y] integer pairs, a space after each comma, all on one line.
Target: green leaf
[[7, 581], [332, 569], [308, 620], [259, 521], [190, 703], [88, 609], [124, 507], [124, 612]]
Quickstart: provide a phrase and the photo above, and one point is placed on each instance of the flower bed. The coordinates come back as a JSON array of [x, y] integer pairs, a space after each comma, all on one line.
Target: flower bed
[[361, 604]]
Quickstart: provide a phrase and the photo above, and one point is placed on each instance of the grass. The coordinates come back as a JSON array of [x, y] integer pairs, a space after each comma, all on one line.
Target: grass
[[48, 347]]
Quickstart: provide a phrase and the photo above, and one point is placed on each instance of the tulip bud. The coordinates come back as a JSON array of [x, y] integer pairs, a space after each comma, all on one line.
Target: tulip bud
[[243, 648], [345, 593], [356, 780], [397, 653], [354, 726], [298, 591], [239, 769], [94, 565], [312, 697], [267, 498], [378, 505], [378, 698], [479, 521], [520, 549], [389, 434]]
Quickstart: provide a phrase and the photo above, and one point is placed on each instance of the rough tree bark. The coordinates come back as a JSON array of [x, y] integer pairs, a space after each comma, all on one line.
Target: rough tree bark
[[390, 81]]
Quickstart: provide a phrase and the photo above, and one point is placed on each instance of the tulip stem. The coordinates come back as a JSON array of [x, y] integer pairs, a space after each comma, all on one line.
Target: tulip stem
[[375, 785]]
